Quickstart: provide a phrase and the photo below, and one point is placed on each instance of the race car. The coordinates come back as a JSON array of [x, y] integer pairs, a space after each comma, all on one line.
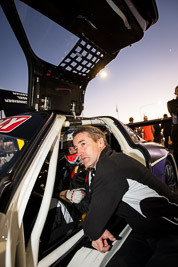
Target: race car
[[31, 142]]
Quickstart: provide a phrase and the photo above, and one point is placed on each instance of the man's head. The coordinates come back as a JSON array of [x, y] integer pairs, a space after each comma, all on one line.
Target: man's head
[[89, 141], [71, 150], [176, 91], [70, 153], [145, 118], [131, 119], [165, 116]]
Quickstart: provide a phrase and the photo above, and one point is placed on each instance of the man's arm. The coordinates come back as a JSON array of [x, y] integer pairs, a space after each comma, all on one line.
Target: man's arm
[[108, 190], [169, 107]]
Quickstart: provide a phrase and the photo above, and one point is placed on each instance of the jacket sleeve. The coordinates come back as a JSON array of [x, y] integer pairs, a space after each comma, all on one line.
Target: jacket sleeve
[[173, 106], [108, 189], [84, 204]]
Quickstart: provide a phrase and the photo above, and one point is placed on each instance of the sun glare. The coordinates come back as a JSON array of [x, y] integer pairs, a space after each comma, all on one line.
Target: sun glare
[[103, 74]]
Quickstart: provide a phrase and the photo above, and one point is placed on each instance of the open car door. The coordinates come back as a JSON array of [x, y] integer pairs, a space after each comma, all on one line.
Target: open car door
[[99, 30]]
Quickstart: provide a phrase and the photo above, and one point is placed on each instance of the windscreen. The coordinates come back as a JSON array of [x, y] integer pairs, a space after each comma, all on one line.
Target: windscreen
[[49, 41]]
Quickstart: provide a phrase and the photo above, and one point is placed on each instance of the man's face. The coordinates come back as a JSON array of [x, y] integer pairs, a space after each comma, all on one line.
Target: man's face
[[88, 150]]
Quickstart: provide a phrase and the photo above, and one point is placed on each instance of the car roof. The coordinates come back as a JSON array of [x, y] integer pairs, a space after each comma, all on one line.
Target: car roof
[[102, 29]]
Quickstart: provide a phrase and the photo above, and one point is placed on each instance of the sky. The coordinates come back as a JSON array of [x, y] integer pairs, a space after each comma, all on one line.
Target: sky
[[143, 77], [140, 80]]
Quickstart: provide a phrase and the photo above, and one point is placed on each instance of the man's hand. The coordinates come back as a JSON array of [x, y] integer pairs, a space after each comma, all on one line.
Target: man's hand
[[75, 195], [101, 244]]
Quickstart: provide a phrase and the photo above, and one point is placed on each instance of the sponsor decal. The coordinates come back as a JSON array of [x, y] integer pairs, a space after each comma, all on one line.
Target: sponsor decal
[[9, 124]]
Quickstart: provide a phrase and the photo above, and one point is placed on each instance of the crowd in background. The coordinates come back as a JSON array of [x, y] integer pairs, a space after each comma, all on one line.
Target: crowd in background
[[165, 133], [159, 133]]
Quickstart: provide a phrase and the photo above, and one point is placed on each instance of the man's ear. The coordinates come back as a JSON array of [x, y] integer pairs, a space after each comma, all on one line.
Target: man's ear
[[101, 142]]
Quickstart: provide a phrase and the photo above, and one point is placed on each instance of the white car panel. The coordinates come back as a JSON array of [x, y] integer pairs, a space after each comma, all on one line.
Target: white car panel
[[90, 257]]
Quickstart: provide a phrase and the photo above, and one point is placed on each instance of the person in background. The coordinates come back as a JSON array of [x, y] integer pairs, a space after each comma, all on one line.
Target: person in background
[[131, 120], [71, 195], [80, 180], [148, 131], [166, 130], [76, 174], [157, 133], [173, 110], [73, 178], [123, 187]]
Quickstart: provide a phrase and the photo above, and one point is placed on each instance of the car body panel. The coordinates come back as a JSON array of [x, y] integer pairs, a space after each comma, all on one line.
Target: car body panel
[[22, 194], [13, 103], [158, 169], [91, 19], [89, 257], [156, 154]]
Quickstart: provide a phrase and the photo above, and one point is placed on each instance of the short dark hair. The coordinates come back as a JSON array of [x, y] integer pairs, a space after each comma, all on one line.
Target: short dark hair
[[93, 132], [131, 119]]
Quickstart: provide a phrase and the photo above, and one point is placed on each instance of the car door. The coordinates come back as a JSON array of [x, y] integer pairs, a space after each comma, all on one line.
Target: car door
[[20, 246]]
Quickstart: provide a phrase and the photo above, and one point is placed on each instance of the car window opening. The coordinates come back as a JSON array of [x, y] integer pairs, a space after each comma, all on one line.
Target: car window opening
[[58, 227]]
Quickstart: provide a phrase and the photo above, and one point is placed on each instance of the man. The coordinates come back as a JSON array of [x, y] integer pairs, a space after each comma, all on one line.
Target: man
[[148, 131], [157, 133], [73, 177], [71, 196], [131, 120], [166, 130], [125, 188], [173, 110]]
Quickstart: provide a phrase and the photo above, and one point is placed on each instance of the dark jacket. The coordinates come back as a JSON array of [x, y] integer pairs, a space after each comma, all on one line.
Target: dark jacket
[[173, 109], [124, 187], [166, 128]]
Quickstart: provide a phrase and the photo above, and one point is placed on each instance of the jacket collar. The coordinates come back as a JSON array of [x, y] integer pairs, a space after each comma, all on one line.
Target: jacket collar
[[103, 152]]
